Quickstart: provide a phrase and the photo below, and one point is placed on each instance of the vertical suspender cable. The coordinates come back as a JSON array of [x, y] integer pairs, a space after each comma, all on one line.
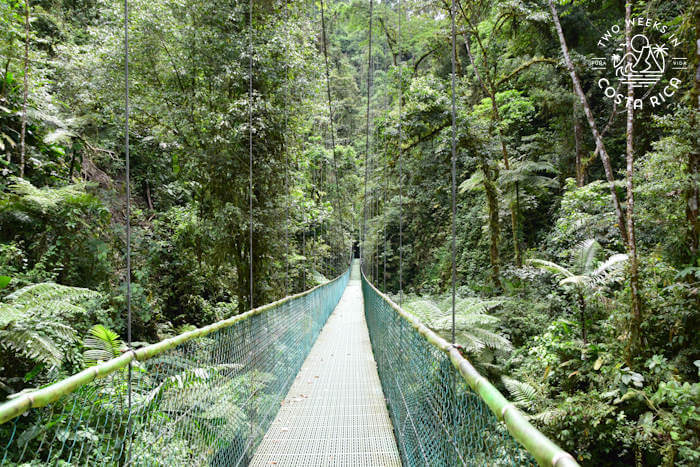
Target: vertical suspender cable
[[250, 164], [369, 89], [386, 189], [454, 202], [286, 158], [250, 147], [314, 184], [400, 161], [128, 211], [454, 173]]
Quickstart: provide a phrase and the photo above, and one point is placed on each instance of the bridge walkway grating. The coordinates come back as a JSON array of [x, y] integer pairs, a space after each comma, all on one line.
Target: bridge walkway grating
[[335, 412]]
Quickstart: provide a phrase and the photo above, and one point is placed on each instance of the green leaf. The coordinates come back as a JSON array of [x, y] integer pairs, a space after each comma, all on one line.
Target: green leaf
[[101, 345], [4, 281], [33, 372], [598, 363]]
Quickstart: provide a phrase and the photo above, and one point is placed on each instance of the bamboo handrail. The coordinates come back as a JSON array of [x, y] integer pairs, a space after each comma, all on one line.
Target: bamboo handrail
[[44, 396], [544, 450]]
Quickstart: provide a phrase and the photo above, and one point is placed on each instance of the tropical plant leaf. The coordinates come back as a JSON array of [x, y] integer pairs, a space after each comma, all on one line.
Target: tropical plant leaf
[[588, 251], [523, 394], [101, 344], [550, 266], [33, 320], [605, 271]]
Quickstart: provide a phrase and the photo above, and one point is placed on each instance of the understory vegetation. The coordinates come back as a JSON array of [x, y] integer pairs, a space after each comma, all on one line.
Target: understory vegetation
[[577, 232]]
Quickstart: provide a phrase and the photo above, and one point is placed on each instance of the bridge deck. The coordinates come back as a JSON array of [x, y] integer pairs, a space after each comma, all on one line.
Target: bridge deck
[[335, 412]]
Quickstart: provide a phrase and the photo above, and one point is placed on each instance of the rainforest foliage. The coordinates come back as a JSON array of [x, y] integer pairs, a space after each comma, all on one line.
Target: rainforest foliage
[[578, 264]]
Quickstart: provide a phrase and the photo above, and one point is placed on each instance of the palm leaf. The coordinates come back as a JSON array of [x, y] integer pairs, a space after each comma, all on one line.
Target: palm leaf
[[577, 280], [550, 266], [102, 344], [588, 251], [607, 271]]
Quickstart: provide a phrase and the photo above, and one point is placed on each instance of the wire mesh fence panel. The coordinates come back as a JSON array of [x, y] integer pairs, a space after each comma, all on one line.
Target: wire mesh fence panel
[[438, 419], [206, 401]]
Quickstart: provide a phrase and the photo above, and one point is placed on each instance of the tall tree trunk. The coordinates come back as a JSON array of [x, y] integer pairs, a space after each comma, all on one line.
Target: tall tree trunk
[[3, 90], [72, 165], [23, 134], [600, 146], [582, 311], [635, 306], [506, 163], [495, 120], [692, 194], [578, 145], [494, 226]]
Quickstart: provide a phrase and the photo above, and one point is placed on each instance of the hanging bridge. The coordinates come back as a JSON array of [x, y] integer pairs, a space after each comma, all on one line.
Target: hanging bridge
[[336, 375]]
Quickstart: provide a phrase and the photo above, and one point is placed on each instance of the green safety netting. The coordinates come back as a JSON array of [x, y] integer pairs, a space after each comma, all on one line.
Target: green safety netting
[[205, 397], [438, 418]]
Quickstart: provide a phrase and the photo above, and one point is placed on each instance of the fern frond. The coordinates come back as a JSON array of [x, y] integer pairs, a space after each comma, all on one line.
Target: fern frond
[[548, 416], [524, 394], [9, 314], [580, 281], [473, 325], [473, 183], [467, 305], [606, 271], [550, 266], [33, 320], [32, 345], [588, 251], [45, 292], [425, 310], [470, 343], [492, 340], [44, 200]]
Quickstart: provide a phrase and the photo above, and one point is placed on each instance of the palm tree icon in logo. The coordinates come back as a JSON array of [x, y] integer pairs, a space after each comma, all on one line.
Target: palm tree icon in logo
[[644, 65]]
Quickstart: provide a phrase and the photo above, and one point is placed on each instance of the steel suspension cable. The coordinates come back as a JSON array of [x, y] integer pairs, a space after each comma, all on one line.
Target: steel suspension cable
[[399, 65], [128, 214], [370, 188], [386, 188], [369, 89], [454, 172], [250, 147], [286, 154]]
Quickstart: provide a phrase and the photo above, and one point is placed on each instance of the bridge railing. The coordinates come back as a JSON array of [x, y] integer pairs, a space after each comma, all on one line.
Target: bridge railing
[[203, 397], [444, 412]]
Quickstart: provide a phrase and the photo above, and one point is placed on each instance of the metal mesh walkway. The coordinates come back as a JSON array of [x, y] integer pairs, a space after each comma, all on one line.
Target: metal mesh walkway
[[335, 412]]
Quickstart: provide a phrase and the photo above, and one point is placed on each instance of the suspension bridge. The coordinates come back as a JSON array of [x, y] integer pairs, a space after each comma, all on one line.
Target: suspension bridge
[[335, 375]]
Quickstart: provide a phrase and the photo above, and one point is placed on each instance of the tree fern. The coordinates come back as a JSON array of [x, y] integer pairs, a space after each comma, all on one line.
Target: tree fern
[[550, 266], [591, 275], [43, 200], [532, 398], [475, 328], [34, 320], [524, 395]]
